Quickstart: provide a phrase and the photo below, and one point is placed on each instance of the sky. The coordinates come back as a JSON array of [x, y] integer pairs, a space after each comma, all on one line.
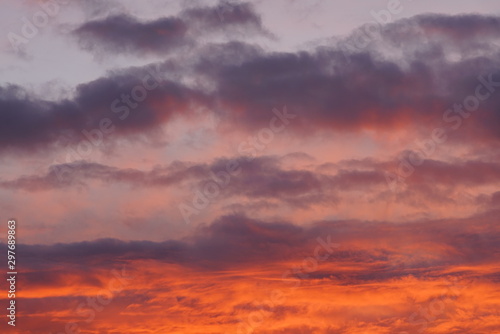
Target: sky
[[267, 167]]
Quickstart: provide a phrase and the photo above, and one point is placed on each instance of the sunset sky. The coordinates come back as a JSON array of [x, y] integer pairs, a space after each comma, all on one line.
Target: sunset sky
[[267, 167]]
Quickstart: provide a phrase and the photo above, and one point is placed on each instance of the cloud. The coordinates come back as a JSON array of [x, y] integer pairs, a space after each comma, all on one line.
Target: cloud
[[124, 34], [225, 16], [400, 80], [379, 276], [77, 173], [230, 242], [270, 183], [104, 105], [280, 213], [127, 35], [328, 88]]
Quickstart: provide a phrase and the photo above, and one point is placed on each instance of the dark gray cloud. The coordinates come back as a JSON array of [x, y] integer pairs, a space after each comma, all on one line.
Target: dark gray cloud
[[267, 179], [402, 78], [79, 172], [128, 35], [328, 88], [385, 249], [132, 101], [125, 34]]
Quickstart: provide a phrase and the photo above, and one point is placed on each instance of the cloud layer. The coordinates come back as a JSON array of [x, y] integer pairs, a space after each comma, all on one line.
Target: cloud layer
[[206, 181]]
